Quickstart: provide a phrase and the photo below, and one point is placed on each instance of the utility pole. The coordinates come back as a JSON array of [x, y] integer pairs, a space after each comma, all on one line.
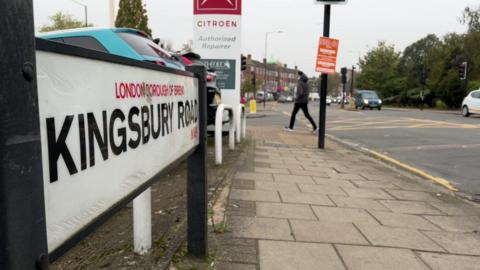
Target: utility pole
[[324, 84], [85, 9]]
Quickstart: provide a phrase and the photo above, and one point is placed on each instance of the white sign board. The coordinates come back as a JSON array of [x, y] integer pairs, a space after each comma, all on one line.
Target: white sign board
[[217, 39], [106, 129]]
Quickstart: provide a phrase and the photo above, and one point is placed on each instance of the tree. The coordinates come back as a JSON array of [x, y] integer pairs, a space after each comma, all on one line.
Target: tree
[[62, 21], [380, 71], [132, 14]]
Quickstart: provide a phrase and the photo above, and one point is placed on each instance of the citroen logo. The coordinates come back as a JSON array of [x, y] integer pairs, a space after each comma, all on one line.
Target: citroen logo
[[229, 1]]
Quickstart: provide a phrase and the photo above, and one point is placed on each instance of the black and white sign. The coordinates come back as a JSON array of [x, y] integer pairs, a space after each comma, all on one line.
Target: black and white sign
[[106, 129]]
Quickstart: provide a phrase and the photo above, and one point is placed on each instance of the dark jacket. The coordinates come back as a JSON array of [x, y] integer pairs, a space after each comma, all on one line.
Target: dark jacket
[[302, 90]]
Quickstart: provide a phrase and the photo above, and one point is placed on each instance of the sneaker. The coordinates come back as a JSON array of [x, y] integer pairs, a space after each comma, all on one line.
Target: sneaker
[[288, 129], [315, 131]]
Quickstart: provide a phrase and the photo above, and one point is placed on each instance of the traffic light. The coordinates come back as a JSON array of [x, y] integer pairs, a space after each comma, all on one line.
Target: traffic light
[[254, 78], [463, 71], [423, 77], [244, 63], [344, 75]]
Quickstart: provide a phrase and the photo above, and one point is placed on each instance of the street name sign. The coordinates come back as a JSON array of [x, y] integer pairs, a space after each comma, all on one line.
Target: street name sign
[[327, 55], [107, 129]]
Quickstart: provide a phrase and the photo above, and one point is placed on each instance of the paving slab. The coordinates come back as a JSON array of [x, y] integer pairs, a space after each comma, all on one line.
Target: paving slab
[[271, 161], [284, 210], [321, 169], [360, 203], [398, 237], [235, 266], [378, 258], [287, 166], [459, 243], [343, 215], [373, 184], [321, 189], [456, 209], [414, 195], [345, 176], [305, 198], [327, 232], [456, 223], [279, 255], [276, 186], [260, 228], [292, 178], [411, 207], [368, 193], [438, 261], [407, 185], [254, 176], [310, 173], [333, 182], [254, 195], [404, 221], [271, 170]]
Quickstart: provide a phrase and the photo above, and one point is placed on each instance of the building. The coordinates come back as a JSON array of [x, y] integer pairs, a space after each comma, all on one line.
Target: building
[[279, 77]]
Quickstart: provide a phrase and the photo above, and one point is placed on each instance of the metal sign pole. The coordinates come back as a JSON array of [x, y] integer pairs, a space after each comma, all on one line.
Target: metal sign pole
[[23, 243], [323, 86], [197, 231]]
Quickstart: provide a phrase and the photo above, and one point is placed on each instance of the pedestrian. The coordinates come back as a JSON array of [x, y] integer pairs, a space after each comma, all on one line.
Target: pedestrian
[[301, 102]]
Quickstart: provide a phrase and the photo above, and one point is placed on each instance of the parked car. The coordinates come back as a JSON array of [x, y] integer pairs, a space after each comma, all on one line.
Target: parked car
[[285, 99], [367, 99], [214, 96], [126, 42], [471, 103], [314, 96]]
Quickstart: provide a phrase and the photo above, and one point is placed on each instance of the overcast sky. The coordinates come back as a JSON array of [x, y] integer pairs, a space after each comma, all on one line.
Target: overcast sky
[[359, 25]]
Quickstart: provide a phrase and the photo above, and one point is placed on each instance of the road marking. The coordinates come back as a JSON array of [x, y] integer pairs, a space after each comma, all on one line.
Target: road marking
[[438, 180], [434, 147]]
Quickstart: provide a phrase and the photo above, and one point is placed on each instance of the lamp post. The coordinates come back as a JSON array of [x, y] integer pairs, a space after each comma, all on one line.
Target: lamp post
[[85, 8], [266, 67], [111, 10]]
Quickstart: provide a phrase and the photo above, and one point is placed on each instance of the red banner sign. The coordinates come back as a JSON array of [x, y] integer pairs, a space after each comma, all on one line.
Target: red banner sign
[[232, 7], [327, 55]]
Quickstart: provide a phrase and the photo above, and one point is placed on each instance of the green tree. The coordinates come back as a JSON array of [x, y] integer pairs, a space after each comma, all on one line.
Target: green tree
[[380, 71], [132, 14], [60, 21]]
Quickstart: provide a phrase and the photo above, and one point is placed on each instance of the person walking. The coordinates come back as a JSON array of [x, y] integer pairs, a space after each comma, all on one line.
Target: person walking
[[301, 102]]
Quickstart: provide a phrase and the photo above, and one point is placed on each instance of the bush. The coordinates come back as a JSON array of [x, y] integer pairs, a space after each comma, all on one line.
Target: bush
[[439, 104]]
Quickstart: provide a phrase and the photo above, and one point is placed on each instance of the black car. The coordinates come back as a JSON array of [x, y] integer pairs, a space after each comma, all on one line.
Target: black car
[[213, 92], [367, 99]]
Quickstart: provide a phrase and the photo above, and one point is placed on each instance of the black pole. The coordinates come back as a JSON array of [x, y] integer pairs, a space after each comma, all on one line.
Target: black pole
[[86, 16], [23, 237], [323, 85], [197, 233], [353, 78]]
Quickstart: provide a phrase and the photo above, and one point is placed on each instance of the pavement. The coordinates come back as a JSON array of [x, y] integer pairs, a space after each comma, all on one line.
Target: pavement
[[293, 206], [443, 144]]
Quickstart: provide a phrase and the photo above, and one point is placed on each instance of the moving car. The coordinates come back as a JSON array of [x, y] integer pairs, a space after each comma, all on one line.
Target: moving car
[[329, 101], [471, 103], [367, 99], [126, 42]]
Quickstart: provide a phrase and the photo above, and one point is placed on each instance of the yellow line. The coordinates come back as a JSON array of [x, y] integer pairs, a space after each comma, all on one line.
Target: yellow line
[[438, 180]]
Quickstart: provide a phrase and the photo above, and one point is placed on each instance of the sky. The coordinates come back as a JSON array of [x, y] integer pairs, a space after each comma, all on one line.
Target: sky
[[359, 25]]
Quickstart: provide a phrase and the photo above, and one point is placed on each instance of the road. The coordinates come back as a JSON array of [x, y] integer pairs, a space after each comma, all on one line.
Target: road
[[445, 145]]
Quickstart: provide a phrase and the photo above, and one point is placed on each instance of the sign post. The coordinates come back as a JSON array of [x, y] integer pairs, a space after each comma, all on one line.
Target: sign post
[[23, 237], [217, 38], [324, 65]]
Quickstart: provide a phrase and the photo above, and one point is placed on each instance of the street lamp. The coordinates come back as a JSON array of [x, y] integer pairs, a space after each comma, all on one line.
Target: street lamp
[[85, 8], [353, 70], [266, 67]]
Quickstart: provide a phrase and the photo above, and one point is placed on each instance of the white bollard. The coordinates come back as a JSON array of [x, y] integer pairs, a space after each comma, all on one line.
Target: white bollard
[[142, 222], [218, 131], [238, 124], [218, 134], [231, 129], [244, 123]]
